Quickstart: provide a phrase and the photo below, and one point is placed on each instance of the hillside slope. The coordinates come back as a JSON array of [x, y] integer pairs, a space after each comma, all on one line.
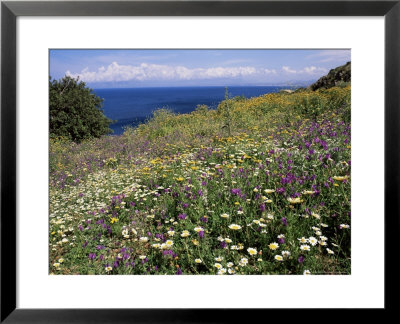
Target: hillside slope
[[258, 186], [334, 77]]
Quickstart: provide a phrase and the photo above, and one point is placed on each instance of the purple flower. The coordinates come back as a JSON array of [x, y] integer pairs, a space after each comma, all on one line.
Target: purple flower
[[223, 245], [92, 256], [179, 272], [281, 240], [284, 221], [301, 259], [280, 190], [236, 191], [182, 216], [201, 234]]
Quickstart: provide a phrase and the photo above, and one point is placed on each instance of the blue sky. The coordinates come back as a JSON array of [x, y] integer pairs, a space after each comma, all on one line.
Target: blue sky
[[160, 68]]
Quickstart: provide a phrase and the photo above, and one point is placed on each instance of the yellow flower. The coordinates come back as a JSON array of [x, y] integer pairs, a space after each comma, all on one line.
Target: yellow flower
[[252, 251], [268, 191], [296, 200], [235, 227], [114, 220], [185, 233], [273, 246], [339, 178]]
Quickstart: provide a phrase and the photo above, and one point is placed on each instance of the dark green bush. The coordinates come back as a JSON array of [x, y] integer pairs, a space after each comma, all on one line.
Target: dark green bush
[[75, 111]]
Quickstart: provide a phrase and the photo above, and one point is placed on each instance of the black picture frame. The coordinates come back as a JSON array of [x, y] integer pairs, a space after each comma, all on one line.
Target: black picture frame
[[10, 10]]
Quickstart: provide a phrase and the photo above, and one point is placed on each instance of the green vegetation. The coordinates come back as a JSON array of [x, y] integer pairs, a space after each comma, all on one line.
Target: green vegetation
[[339, 77], [258, 186], [75, 112]]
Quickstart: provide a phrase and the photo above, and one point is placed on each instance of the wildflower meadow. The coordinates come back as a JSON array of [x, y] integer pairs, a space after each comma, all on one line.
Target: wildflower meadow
[[256, 186]]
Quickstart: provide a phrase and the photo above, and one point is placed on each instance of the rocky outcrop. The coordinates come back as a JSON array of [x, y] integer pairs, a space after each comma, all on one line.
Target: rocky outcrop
[[337, 76]]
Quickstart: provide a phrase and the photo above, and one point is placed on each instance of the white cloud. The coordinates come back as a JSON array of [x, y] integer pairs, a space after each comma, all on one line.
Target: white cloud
[[267, 71], [116, 72], [311, 70], [314, 70], [288, 69]]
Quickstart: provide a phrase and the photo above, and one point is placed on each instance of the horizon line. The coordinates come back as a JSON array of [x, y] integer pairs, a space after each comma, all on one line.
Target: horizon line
[[200, 86]]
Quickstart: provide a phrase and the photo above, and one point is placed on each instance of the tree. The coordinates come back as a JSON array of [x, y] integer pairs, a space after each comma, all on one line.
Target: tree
[[75, 111]]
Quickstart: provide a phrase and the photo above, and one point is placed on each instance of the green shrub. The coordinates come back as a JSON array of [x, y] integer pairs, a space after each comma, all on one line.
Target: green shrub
[[75, 111]]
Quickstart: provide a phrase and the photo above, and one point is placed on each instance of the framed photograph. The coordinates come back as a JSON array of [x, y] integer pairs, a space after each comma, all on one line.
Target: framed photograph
[[163, 159]]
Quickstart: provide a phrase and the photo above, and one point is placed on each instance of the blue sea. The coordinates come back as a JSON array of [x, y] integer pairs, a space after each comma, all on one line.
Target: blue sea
[[130, 107]]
